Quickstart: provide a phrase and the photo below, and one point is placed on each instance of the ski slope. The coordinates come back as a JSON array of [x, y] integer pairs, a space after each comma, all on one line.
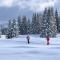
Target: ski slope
[[18, 49]]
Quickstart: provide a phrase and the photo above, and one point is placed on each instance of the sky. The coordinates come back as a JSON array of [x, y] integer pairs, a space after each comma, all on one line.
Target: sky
[[10, 9]]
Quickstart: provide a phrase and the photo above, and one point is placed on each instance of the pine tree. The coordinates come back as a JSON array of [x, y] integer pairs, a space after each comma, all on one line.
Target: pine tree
[[24, 25], [14, 28], [38, 21], [19, 24], [17, 30], [48, 24], [35, 24], [9, 30], [0, 33], [57, 20], [28, 27], [44, 24], [53, 23], [1, 29]]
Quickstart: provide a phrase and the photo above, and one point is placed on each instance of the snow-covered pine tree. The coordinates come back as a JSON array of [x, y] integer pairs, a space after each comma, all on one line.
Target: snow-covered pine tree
[[14, 28], [48, 24], [38, 24], [24, 25], [9, 30], [1, 29], [57, 21], [28, 27], [59, 24], [19, 24], [53, 27], [44, 24], [17, 30], [0, 32], [4, 30], [35, 25]]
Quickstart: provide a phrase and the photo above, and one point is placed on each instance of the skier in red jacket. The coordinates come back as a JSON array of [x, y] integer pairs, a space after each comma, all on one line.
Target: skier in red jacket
[[47, 38]]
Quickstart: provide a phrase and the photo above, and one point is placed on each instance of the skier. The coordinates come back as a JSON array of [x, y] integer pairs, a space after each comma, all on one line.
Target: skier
[[28, 38], [47, 38]]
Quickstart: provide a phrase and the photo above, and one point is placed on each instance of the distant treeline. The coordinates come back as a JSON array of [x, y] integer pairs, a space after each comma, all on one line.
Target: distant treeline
[[46, 24]]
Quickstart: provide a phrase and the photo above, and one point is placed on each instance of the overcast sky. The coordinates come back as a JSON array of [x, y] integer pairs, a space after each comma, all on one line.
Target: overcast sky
[[12, 8]]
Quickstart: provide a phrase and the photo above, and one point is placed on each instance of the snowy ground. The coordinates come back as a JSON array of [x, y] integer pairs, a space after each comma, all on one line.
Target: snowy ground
[[18, 49]]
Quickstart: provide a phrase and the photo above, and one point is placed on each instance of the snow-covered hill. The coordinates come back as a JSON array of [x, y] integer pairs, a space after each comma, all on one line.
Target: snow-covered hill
[[18, 49]]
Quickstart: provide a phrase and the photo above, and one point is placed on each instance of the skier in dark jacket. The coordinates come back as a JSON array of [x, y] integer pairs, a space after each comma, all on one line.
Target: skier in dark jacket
[[47, 38], [28, 38]]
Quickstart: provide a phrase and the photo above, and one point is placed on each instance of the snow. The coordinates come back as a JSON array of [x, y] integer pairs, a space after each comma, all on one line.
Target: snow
[[3, 37], [18, 49]]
